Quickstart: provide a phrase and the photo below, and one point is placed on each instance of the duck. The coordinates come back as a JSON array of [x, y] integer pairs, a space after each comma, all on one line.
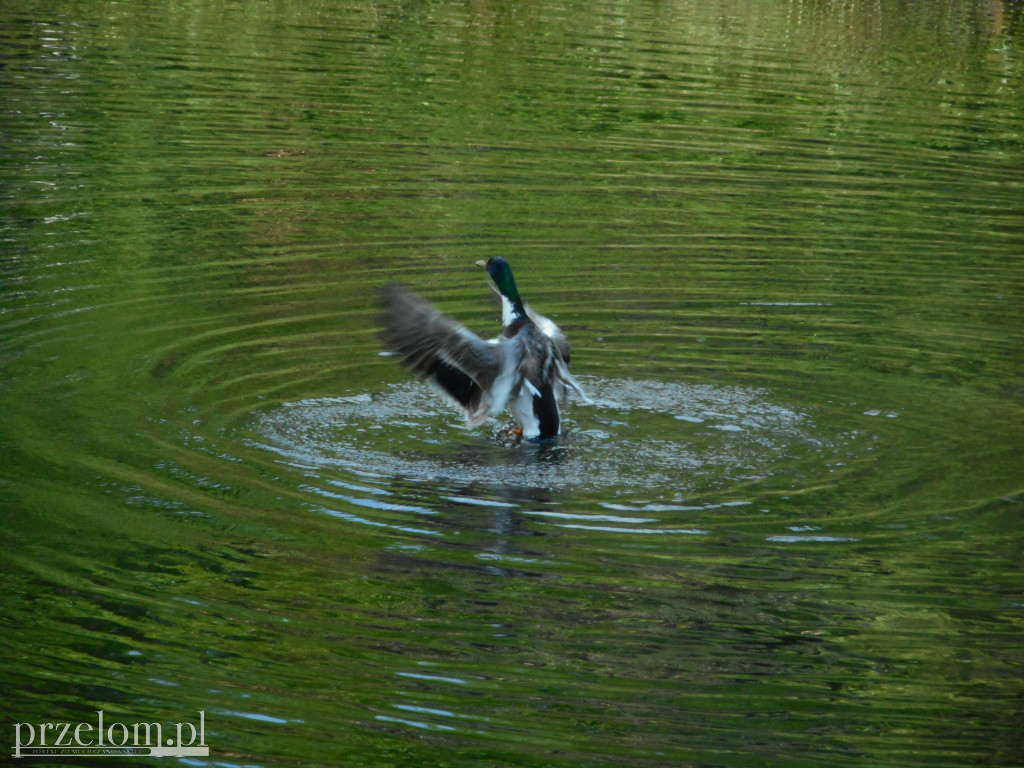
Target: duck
[[524, 370]]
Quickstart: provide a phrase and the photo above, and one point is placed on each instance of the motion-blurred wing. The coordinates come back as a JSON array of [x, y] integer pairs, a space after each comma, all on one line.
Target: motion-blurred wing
[[444, 352]]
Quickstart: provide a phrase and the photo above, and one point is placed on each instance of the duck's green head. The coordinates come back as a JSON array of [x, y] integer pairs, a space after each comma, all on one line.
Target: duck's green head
[[501, 274]]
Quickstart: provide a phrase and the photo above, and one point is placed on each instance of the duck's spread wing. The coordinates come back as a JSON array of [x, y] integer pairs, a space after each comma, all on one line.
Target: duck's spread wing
[[543, 363], [552, 331], [443, 351]]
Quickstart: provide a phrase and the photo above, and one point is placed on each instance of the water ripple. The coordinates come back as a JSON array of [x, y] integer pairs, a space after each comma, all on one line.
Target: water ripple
[[637, 434]]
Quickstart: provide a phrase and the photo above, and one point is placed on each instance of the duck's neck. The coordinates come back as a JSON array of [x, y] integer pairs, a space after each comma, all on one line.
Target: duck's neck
[[511, 303], [511, 310]]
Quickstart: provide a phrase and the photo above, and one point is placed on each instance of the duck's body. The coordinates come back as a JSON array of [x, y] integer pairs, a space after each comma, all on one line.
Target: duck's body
[[524, 370]]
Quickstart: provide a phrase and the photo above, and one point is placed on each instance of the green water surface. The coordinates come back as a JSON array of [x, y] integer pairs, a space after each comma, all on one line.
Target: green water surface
[[786, 240]]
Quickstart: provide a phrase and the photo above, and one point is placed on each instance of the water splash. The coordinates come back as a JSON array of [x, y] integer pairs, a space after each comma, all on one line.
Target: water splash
[[636, 434]]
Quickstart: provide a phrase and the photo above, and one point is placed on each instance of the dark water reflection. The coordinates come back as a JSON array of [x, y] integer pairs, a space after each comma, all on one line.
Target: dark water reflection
[[785, 241]]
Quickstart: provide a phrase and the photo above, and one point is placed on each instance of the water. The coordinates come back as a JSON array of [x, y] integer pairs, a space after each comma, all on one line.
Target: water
[[785, 241]]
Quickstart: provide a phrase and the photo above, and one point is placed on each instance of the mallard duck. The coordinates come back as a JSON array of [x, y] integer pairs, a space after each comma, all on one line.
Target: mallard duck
[[525, 369]]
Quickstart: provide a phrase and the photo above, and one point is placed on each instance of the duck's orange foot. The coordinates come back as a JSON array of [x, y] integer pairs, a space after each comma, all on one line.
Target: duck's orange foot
[[509, 434]]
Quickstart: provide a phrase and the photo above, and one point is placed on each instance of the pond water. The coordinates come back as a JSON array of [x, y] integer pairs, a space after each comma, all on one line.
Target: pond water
[[787, 243]]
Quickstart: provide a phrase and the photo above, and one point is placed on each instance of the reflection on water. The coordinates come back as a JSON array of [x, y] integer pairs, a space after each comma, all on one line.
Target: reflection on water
[[785, 242]]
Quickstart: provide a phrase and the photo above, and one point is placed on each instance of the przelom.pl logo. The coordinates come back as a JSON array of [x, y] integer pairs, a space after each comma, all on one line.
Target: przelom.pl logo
[[111, 739]]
